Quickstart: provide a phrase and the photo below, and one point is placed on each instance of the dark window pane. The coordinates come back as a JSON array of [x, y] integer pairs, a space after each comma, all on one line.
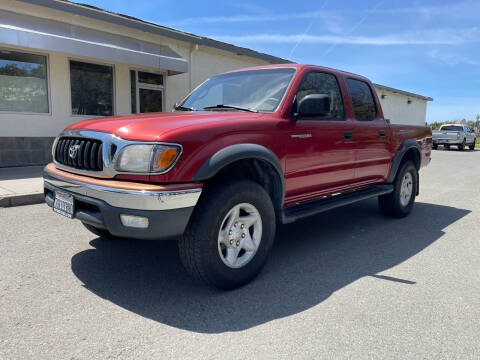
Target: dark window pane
[[133, 91], [92, 89], [452, 128], [150, 100], [362, 100], [149, 78], [323, 83], [23, 82]]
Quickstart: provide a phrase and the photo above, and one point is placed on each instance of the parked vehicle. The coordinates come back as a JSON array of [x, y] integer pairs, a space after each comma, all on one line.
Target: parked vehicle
[[244, 150], [454, 134]]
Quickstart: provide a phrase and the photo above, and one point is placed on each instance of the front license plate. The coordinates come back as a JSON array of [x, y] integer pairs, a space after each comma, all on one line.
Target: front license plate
[[63, 204]]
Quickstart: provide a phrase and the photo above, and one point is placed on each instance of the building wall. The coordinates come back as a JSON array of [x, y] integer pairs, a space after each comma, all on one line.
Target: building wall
[[23, 137], [397, 109]]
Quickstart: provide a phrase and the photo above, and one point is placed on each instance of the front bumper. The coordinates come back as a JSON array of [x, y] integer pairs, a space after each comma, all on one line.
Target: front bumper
[[100, 203]]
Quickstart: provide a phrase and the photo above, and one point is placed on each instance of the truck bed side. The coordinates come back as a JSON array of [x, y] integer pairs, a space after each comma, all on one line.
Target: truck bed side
[[422, 134]]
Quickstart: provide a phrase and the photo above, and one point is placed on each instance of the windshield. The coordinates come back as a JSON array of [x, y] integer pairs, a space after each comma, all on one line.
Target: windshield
[[251, 90], [451, 128]]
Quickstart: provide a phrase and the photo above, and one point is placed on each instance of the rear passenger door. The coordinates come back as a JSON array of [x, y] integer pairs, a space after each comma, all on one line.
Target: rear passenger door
[[371, 135]]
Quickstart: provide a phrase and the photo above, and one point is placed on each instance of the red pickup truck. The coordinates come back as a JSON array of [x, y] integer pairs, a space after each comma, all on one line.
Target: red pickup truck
[[245, 150]]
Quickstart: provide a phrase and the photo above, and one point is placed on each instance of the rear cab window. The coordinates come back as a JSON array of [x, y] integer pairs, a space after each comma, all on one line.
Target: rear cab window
[[363, 102], [451, 128]]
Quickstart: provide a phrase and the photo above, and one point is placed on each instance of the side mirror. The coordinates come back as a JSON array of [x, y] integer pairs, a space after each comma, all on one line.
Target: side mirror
[[314, 105]]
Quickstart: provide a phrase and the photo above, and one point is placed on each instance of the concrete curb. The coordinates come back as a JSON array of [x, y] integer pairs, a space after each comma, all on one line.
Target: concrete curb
[[23, 199]]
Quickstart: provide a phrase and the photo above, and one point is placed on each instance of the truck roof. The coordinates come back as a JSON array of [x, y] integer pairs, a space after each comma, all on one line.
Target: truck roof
[[301, 66]]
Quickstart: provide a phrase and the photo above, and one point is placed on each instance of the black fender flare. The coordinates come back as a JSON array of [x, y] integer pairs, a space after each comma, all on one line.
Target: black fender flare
[[397, 159], [233, 153]]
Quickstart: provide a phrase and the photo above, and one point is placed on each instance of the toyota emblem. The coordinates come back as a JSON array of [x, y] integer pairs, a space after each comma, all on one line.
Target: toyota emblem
[[73, 151]]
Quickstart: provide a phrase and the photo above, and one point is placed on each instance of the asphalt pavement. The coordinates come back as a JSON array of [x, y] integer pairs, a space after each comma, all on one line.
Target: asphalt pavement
[[348, 283]]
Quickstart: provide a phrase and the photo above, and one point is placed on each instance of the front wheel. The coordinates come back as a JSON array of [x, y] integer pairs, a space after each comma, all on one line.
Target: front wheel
[[230, 234], [399, 203], [472, 145]]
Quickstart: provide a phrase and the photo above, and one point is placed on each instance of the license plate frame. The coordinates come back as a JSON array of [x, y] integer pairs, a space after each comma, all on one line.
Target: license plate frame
[[64, 204]]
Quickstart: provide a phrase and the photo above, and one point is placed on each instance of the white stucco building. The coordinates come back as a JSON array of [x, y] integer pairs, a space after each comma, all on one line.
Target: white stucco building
[[61, 62], [402, 107]]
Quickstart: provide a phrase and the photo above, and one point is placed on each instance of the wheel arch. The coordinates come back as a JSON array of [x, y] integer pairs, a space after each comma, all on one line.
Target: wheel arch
[[252, 161], [410, 150]]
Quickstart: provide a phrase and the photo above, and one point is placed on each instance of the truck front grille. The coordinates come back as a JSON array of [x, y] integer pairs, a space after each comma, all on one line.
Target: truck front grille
[[80, 153]]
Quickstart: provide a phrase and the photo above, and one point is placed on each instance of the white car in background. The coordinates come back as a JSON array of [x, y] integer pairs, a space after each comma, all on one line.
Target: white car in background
[[454, 134]]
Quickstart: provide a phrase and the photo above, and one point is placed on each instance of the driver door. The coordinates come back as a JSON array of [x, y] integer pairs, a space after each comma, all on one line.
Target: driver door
[[320, 150]]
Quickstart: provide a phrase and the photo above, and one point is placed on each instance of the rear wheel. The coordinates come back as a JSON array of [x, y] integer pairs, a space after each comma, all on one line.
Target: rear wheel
[[399, 203], [230, 234], [462, 145], [435, 146], [446, 146], [472, 145]]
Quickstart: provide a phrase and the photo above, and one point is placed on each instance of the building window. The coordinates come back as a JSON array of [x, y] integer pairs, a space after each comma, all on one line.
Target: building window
[[146, 91], [91, 88], [362, 100], [23, 82]]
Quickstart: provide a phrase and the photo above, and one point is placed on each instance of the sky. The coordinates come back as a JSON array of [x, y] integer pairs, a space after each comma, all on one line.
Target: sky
[[427, 47]]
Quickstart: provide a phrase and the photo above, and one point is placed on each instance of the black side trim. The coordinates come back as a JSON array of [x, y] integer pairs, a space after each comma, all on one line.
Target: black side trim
[[397, 159], [233, 153], [294, 212]]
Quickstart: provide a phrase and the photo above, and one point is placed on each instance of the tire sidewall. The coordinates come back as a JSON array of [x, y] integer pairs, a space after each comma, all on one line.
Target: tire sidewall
[[216, 204], [408, 166]]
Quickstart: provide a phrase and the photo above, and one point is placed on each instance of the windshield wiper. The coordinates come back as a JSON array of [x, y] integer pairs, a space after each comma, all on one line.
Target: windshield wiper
[[184, 108], [221, 106]]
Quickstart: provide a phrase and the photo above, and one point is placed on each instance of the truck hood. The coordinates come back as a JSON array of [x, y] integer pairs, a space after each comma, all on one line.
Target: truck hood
[[156, 126]]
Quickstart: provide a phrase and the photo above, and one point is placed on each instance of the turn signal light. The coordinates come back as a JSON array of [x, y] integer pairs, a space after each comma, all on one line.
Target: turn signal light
[[164, 158]]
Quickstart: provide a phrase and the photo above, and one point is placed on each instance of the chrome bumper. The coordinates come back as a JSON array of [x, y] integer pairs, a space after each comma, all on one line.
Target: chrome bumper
[[129, 199]]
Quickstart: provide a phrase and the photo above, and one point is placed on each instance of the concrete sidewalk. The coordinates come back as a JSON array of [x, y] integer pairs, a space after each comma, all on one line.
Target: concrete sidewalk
[[21, 186]]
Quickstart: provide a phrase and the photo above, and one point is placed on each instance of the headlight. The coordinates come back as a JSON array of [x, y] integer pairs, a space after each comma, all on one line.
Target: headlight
[[147, 158]]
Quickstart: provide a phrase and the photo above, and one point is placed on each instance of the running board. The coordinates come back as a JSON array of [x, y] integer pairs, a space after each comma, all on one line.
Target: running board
[[300, 210]]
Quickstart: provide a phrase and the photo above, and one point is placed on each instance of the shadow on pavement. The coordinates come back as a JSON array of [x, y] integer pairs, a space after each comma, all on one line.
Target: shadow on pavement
[[311, 259]]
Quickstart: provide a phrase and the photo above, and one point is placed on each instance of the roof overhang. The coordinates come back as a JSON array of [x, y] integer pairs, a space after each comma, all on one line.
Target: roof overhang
[[96, 13], [45, 34], [403, 92]]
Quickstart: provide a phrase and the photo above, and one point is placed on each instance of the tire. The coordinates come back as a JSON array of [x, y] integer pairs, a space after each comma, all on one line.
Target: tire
[[204, 252], [446, 147], [435, 146], [392, 204], [462, 145], [472, 145], [99, 232]]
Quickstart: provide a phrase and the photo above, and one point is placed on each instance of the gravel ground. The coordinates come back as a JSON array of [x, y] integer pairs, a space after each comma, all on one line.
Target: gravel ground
[[349, 283]]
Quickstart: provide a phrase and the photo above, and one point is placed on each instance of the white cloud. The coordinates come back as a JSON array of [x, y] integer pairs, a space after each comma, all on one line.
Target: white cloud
[[452, 59], [458, 10], [424, 37]]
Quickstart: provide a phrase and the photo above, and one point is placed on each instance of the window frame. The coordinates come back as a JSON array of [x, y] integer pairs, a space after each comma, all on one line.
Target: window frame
[[114, 84], [47, 78], [371, 93], [344, 118], [146, 86]]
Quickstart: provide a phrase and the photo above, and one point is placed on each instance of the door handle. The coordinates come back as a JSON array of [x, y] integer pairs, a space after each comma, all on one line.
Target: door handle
[[348, 135], [382, 133]]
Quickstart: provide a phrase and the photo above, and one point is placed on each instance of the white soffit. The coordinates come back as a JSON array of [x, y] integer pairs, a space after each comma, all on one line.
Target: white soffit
[[45, 34]]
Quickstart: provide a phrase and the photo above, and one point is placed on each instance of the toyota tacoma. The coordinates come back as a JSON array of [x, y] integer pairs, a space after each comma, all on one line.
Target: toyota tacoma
[[244, 151]]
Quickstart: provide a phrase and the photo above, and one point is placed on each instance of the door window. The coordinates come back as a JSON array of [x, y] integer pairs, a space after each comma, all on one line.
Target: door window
[[362, 100], [146, 91], [323, 83]]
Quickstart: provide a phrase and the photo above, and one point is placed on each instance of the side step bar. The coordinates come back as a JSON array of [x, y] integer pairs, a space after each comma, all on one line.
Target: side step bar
[[294, 212]]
